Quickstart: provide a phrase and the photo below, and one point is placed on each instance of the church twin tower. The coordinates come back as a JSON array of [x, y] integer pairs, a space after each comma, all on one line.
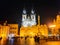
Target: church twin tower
[[28, 20]]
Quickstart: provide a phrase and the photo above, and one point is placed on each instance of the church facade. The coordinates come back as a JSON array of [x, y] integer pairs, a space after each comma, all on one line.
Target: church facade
[[30, 27], [28, 20]]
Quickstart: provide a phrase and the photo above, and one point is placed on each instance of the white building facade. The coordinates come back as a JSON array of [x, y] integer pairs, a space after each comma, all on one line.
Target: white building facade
[[28, 20]]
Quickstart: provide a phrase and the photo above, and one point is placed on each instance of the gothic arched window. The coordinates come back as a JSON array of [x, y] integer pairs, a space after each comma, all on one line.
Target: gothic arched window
[[33, 17]]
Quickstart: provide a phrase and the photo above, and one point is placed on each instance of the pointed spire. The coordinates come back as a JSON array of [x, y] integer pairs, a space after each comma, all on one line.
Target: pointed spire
[[24, 11], [32, 11]]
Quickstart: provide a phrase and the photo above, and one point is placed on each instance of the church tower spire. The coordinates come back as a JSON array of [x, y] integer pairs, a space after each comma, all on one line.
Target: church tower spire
[[33, 16], [24, 15]]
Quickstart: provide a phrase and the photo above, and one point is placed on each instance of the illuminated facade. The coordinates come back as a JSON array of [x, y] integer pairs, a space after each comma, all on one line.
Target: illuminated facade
[[4, 31], [30, 28], [13, 29], [28, 20], [33, 29], [7, 30], [56, 25]]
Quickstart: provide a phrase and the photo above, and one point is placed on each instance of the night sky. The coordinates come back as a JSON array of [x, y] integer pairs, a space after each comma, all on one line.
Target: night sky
[[12, 10]]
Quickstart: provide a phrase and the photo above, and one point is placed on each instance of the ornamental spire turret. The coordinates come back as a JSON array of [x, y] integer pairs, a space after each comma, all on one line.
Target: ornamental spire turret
[[24, 15], [32, 11], [24, 11]]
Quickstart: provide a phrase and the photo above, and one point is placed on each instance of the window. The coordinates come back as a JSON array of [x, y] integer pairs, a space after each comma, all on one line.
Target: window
[[23, 16], [12, 27], [33, 17]]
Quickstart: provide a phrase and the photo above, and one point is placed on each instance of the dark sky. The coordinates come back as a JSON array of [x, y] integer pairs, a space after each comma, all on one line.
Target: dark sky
[[12, 10]]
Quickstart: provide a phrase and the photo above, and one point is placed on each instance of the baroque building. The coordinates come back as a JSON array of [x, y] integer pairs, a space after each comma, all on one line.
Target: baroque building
[[30, 27], [8, 30], [56, 28], [13, 29], [4, 30]]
